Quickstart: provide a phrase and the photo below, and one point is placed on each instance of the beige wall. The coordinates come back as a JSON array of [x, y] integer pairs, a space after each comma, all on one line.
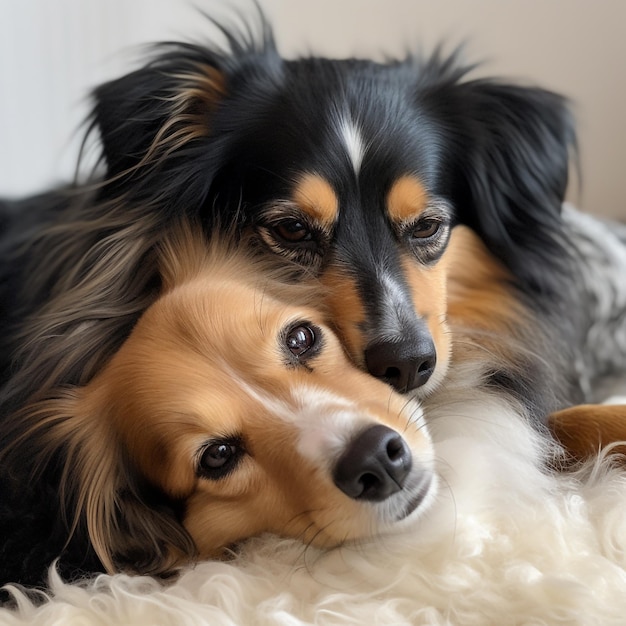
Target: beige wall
[[51, 52]]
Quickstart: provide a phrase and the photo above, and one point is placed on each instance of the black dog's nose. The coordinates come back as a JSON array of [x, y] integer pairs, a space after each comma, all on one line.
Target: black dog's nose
[[374, 466], [404, 364]]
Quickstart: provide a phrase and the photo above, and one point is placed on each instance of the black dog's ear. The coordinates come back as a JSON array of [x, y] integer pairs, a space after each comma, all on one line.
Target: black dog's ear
[[146, 116], [158, 110], [508, 164], [161, 127]]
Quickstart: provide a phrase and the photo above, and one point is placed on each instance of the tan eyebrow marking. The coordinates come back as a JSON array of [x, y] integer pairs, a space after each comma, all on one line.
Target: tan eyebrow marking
[[406, 199], [315, 196]]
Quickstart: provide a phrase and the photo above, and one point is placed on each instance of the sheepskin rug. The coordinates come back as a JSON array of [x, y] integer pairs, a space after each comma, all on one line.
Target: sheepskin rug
[[506, 543]]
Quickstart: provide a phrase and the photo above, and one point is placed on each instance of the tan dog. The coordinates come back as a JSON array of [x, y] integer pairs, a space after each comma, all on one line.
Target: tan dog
[[230, 410]]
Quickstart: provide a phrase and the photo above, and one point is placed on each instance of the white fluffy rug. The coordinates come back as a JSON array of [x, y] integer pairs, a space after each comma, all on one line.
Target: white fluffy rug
[[505, 544]]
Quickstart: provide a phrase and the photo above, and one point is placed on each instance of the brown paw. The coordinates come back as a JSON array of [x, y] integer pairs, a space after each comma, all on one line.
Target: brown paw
[[585, 429]]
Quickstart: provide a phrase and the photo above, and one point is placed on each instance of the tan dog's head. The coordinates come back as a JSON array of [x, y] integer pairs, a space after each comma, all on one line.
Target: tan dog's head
[[232, 410]]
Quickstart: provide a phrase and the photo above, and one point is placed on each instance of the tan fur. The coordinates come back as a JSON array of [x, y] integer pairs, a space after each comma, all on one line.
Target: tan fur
[[428, 285], [314, 195], [586, 429], [478, 284], [486, 317], [346, 310], [406, 199]]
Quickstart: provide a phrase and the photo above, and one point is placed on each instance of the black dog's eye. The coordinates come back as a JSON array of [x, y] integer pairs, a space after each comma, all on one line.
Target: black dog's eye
[[218, 459], [290, 232], [293, 231], [300, 339], [428, 236], [424, 229]]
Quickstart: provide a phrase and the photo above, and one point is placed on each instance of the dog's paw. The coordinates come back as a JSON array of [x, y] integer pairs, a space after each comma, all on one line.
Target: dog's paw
[[586, 429]]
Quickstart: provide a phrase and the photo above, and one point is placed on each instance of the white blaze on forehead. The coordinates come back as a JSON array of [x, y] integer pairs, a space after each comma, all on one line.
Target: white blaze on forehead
[[309, 408], [271, 403], [353, 142], [395, 304], [325, 421]]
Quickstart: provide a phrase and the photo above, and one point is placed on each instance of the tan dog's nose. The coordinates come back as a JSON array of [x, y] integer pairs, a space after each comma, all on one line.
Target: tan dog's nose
[[374, 466]]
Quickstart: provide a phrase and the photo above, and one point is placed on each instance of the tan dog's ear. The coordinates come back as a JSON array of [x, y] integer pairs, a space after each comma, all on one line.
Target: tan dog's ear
[[144, 535], [129, 523], [585, 429]]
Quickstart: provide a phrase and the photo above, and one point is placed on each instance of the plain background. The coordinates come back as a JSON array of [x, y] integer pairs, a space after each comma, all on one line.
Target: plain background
[[53, 51]]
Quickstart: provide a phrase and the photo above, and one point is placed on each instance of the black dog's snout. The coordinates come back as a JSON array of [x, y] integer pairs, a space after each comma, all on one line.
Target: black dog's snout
[[374, 466], [405, 364]]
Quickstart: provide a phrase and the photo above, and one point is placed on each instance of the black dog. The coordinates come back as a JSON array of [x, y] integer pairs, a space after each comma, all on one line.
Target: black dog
[[309, 156]]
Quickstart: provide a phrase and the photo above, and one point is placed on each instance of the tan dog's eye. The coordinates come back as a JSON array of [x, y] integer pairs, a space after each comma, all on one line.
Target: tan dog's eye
[[218, 459], [293, 231], [300, 340]]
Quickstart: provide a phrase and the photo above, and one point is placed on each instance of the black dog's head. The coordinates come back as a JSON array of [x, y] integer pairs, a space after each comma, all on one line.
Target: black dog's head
[[353, 170]]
